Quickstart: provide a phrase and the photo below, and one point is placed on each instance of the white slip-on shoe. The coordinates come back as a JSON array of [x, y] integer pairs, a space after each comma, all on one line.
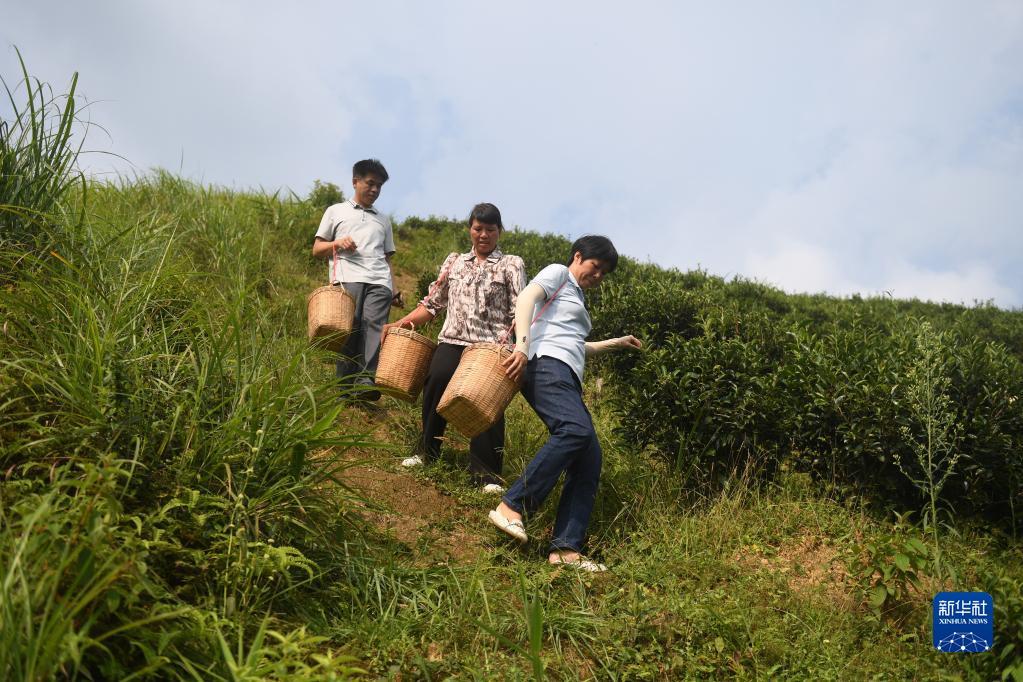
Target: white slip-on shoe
[[513, 528], [493, 488], [582, 563], [410, 462]]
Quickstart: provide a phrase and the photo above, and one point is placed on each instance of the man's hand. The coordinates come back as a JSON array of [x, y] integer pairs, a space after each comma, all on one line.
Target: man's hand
[[345, 243], [515, 365]]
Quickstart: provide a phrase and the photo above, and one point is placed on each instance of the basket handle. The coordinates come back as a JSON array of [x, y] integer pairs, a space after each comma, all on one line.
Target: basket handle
[[383, 339], [336, 262]]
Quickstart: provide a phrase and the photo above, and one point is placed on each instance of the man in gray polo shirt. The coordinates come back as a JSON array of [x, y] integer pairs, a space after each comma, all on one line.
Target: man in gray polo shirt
[[362, 239]]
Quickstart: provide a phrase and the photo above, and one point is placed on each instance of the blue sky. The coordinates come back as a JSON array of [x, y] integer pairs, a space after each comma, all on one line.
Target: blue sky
[[870, 147]]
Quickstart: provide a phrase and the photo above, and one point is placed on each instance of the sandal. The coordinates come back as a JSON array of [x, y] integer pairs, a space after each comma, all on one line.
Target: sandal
[[513, 528], [582, 563]]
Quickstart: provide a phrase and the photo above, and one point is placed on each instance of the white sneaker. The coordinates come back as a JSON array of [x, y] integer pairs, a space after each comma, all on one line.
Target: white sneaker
[[410, 462], [493, 488]]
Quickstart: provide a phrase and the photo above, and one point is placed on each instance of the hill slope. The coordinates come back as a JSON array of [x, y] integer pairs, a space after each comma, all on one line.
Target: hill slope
[[183, 480]]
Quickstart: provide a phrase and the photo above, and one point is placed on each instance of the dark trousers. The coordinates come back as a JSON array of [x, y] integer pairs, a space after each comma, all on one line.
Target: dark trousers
[[486, 451], [553, 391], [362, 349]]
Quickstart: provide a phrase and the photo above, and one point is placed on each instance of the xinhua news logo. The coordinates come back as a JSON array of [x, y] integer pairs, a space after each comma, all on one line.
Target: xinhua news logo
[[964, 622]]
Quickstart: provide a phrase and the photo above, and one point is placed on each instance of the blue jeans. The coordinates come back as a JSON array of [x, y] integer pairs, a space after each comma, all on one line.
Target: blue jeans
[[553, 391]]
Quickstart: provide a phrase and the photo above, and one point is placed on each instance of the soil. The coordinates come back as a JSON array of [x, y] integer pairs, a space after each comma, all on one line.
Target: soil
[[416, 514], [808, 563], [430, 523]]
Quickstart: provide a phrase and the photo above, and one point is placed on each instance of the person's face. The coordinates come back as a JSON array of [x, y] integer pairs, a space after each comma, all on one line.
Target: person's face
[[367, 189], [588, 272], [484, 237]]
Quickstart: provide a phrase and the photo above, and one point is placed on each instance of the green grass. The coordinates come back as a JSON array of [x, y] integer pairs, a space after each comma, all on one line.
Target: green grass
[[750, 583]]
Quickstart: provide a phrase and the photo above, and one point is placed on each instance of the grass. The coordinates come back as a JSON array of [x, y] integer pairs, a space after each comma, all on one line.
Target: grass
[[742, 585]]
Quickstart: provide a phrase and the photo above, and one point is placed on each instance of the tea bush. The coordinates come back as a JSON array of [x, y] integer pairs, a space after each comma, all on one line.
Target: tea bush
[[738, 374]]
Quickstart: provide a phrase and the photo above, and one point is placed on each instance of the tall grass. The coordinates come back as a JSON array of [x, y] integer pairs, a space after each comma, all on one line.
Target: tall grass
[[180, 394], [38, 156], [169, 457]]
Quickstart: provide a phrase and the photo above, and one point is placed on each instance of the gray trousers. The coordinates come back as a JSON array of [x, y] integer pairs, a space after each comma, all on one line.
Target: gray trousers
[[362, 349]]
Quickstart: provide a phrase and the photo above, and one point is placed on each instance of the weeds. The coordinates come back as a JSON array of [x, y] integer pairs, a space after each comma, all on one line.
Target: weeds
[[934, 435]]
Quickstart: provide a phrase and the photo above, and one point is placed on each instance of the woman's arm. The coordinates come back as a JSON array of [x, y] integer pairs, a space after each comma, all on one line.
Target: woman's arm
[[434, 301], [524, 306], [620, 343], [515, 364], [436, 298], [420, 317]]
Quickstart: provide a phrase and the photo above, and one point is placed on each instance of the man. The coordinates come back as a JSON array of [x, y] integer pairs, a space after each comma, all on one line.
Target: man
[[364, 243]]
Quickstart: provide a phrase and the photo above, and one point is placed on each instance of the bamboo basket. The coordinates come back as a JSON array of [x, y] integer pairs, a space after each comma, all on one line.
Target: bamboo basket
[[331, 312], [479, 391], [403, 364]]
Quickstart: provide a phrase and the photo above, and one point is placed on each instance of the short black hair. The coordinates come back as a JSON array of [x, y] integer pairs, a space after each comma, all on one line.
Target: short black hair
[[595, 246], [363, 168], [487, 214]]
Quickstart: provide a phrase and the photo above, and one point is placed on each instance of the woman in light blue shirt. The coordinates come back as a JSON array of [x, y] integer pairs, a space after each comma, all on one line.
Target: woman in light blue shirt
[[551, 351]]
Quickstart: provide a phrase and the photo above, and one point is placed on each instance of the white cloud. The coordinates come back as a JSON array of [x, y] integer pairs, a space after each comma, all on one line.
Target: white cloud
[[909, 281], [884, 141]]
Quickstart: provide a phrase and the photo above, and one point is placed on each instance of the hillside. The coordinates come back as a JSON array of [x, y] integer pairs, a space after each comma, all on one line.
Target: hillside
[[787, 483], [183, 482]]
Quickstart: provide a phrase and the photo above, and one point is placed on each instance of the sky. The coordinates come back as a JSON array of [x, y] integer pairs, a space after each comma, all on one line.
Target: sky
[[868, 147]]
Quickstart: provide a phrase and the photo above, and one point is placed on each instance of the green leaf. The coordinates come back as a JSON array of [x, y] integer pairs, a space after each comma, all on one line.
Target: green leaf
[[719, 644], [917, 545], [902, 561], [877, 596]]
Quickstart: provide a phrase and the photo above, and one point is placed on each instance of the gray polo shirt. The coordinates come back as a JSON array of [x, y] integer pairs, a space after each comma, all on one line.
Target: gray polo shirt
[[371, 232], [561, 331]]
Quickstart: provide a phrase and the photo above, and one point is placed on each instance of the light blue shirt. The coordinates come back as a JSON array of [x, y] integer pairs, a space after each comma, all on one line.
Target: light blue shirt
[[561, 331]]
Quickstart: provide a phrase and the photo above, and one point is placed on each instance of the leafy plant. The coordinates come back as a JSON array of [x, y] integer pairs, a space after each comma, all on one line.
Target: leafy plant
[[889, 567], [324, 194]]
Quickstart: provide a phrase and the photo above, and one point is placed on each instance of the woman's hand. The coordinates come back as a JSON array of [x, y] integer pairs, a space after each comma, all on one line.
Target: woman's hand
[[629, 342], [514, 366], [387, 327], [346, 243], [417, 319]]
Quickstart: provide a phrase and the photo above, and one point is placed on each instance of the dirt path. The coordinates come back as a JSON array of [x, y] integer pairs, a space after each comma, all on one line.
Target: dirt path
[[431, 523]]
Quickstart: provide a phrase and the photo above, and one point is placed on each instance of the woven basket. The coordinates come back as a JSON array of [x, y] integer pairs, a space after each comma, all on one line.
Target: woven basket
[[403, 364], [479, 391], [331, 312]]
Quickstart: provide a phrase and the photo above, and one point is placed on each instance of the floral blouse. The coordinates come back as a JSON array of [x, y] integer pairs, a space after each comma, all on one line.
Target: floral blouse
[[479, 297]]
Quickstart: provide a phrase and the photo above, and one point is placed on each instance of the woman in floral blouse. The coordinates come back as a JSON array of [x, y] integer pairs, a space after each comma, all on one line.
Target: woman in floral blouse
[[479, 290]]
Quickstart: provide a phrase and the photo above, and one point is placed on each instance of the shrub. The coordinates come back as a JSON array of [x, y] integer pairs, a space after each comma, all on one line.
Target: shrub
[[324, 194]]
